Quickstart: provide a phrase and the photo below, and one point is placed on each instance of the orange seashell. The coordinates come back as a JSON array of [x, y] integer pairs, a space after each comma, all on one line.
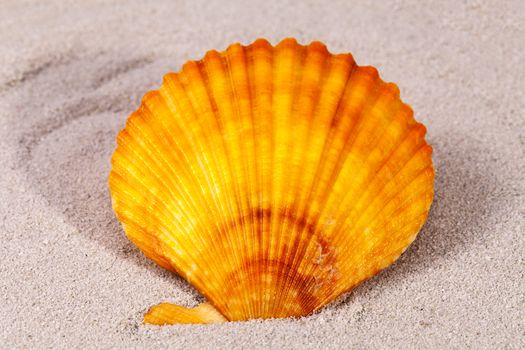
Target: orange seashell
[[273, 179]]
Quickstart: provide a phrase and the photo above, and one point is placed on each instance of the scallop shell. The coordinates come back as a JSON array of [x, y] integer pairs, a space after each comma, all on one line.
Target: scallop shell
[[273, 179]]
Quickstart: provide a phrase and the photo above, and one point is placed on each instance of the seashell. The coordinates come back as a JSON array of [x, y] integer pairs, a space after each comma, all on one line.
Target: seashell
[[273, 179]]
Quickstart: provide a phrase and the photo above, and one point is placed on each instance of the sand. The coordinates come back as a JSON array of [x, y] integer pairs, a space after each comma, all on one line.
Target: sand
[[71, 74]]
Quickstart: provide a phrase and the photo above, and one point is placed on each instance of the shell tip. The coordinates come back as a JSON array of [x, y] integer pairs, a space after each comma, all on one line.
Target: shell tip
[[169, 314]]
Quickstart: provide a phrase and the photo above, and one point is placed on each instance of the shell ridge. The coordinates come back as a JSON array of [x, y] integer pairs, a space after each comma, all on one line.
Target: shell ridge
[[151, 246], [417, 218], [202, 184], [190, 202], [143, 132], [284, 90], [197, 239], [381, 189], [190, 174], [253, 166], [333, 132], [202, 237], [356, 225], [212, 177], [314, 53], [263, 67], [364, 109], [351, 233], [353, 191], [270, 181], [356, 119], [420, 176], [328, 141], [377, 171], [300, 252], [202, 150], [161, 207], [361, 279], [244, 237], [283, 78], [402, 206], [209, 75], [281, 234], [365, 161], [243, 149], [212, 70], [303, 208]]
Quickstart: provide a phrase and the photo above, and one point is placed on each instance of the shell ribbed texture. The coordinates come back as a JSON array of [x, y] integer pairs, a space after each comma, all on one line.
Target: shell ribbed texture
[[273, 179]]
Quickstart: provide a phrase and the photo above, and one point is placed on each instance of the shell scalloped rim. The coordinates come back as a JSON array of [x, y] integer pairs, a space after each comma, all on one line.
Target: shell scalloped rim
[[272, 178]]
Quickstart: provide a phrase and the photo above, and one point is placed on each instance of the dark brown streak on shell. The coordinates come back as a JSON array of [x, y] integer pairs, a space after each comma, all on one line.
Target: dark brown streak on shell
[[312, 285]]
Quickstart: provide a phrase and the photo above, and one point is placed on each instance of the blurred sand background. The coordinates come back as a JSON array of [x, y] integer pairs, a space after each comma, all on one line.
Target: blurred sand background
[[70, 74]]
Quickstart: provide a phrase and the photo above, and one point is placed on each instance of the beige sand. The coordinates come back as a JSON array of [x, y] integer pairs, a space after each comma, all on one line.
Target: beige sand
[[71, 74]]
